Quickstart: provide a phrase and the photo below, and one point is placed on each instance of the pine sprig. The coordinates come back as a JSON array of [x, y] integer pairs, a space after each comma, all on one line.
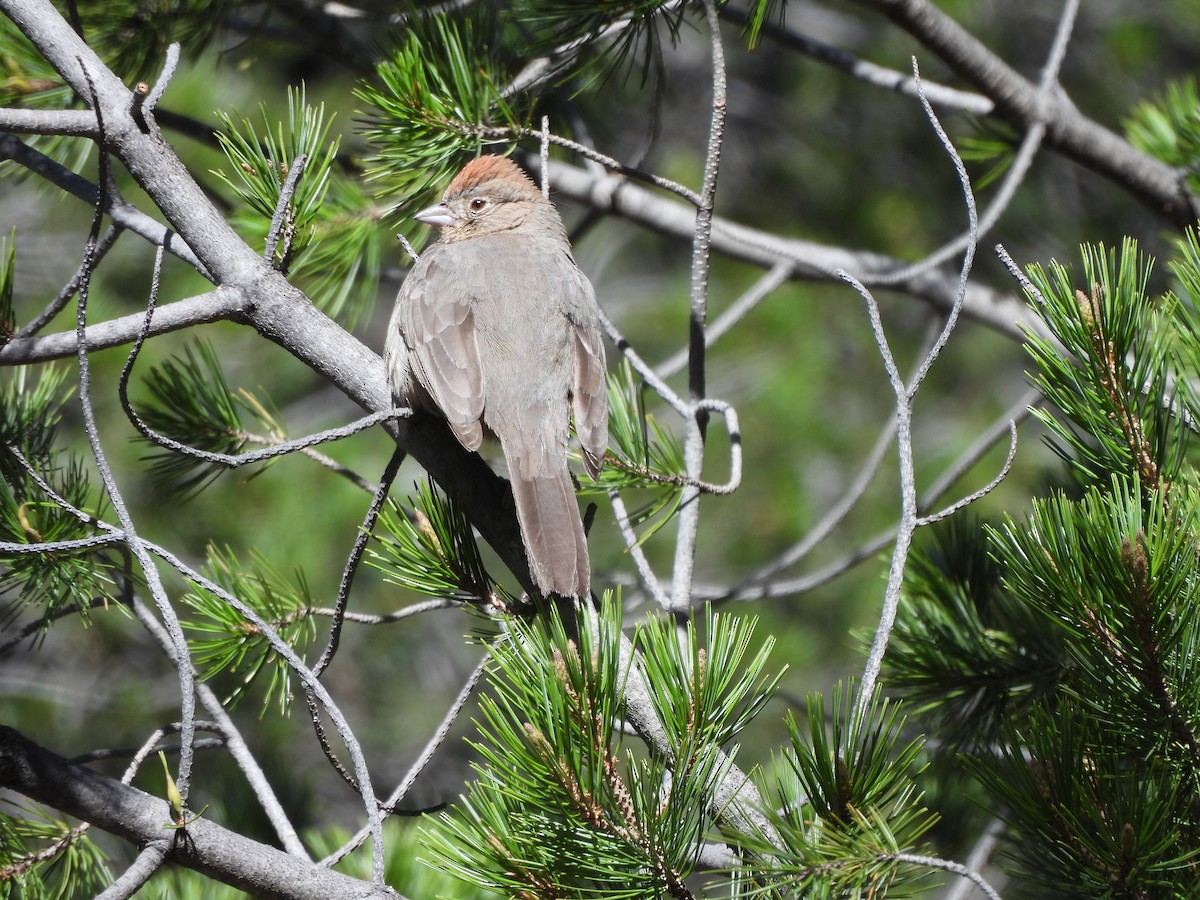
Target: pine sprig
[[1072, 647], [1108, 392], [434, 101], [234, 646], [558, 807], [44, 857], [29, 413], [1087, 822], [430, 547], [192, 403], [845, 802], [599, 40], [1118, 576], [711, 685], [966, 656], [260, 166], [340, 267]]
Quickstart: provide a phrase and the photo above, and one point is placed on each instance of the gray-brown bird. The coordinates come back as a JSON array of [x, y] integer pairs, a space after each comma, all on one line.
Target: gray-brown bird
[[496, 328]]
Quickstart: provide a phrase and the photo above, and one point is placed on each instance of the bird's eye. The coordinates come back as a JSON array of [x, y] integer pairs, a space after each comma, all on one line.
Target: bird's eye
[[478, 204]]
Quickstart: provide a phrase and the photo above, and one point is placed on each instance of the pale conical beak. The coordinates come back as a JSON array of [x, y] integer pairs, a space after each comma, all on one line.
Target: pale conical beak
[[438, 215]]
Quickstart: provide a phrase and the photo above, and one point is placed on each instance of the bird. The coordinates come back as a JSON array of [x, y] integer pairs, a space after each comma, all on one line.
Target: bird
[[497, 330]]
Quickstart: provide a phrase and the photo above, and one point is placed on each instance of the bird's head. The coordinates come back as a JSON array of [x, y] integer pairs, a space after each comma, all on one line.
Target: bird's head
[[490, 195]]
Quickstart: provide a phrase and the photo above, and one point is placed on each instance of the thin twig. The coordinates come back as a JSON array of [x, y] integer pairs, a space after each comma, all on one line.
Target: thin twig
[[170, 61], [948, 865], [356, 553], [867, 72], [306, 677], [220, 305], [1018, 169], [693, 446], [235, 744], [231, 461], [966, 501], [121, 212], [154, 584], [591, 154], [419, 763], [646, 576], [1014, 415], [904, 401], [770, 280], [282, 222], [964, 181]]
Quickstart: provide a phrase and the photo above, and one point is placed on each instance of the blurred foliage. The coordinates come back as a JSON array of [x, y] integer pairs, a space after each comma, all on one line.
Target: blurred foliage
[[1168, 127]]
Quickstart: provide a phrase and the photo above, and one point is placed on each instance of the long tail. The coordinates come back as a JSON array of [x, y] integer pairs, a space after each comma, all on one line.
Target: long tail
[[553, 533]]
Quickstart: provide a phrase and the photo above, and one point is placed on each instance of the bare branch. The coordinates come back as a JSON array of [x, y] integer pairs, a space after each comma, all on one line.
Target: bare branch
[[810, 261], [878, 76], [696, 421], [220, 305], [138, 817], [1024, 105]]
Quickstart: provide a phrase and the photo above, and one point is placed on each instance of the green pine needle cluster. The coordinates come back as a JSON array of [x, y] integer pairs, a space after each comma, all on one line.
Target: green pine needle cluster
[[30, 409], [845, 803], [438, 98], [331, 234], [429, 547], [225, 643], [260, 167], [45, 858], [560, 806], [192, 403], [1056, 653]]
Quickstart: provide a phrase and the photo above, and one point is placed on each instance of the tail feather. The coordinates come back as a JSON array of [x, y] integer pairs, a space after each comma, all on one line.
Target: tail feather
[[552, 530]]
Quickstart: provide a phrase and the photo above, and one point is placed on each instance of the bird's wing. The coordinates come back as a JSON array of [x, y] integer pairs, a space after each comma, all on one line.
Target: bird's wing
[[589, 393], [439, 329]]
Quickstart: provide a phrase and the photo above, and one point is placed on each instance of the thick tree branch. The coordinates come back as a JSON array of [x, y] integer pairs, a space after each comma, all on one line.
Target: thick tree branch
[[67, 122], [140, 818]]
